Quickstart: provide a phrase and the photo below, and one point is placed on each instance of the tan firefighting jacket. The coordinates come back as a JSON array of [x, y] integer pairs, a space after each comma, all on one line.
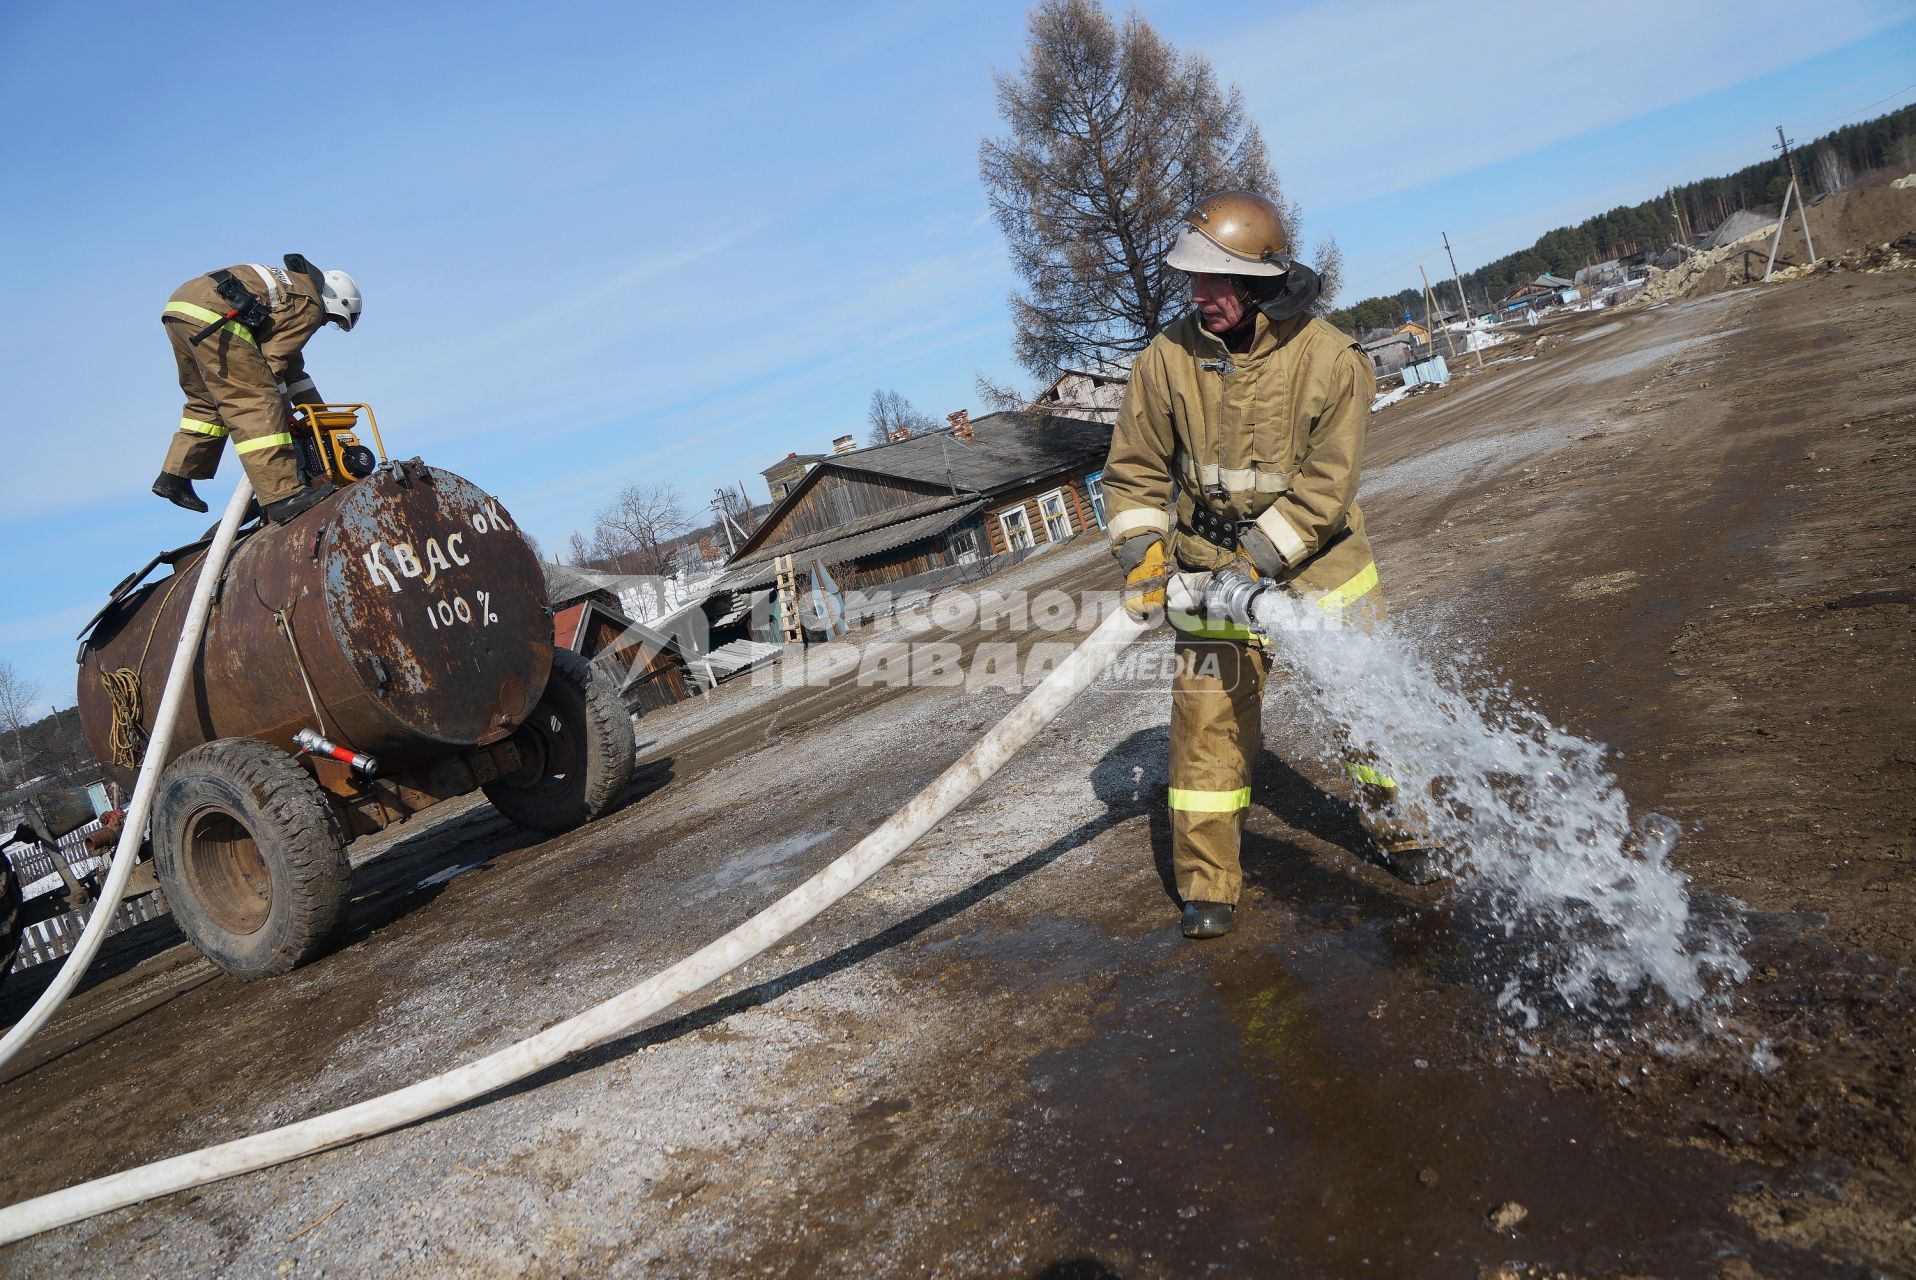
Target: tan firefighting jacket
[[293, 303], [1274, 435]]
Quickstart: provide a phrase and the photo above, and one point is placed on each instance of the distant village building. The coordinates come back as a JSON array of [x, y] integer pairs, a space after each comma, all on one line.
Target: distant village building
[[1546, 290], [1600, 275], [880, 514], [646, 666], [1080, 393], [783, 476], [1389, 351], [1739, 224]]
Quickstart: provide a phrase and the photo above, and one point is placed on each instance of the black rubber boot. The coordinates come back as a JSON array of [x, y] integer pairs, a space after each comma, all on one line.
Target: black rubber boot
[[178, 490], [1209, 919], [287, 508], [1413, 864]]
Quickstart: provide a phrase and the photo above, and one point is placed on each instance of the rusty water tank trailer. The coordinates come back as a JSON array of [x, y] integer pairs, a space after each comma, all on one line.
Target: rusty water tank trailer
[[410, 606], [403, 619]]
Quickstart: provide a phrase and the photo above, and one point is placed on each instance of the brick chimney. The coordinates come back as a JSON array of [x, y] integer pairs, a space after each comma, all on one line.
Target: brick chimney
[[960, 423], [844, 444], [897, 434]]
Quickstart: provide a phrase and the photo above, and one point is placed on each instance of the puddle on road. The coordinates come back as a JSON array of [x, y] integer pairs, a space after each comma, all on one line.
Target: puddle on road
[[762, 866], [1448, 468], [1296, 1100], [1644, 359]]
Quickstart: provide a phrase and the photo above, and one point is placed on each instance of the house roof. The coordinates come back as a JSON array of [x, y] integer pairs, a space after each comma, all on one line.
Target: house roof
[[791, 460], [845, 548], [1006, 449], [1391, 339], [570, 625], [566, 585]]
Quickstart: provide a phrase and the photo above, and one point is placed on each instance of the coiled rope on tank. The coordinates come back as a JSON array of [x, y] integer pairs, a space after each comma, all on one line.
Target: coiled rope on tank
[[623, 1012], [140, 806], [127, 738]]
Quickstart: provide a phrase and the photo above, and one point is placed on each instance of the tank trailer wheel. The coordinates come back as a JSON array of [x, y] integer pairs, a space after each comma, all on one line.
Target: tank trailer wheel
[[251, 857], [577, 746]]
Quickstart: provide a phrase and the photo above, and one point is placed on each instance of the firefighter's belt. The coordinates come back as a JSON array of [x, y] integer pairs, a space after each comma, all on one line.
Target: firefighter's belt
[[1222, 532], [1217, 529]]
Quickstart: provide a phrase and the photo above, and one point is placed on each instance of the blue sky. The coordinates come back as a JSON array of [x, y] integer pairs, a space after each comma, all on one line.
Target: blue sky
[[606, 243]]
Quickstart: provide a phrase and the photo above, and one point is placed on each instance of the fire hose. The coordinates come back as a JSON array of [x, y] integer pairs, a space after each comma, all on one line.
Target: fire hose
[[621, 1013], [133, 827]]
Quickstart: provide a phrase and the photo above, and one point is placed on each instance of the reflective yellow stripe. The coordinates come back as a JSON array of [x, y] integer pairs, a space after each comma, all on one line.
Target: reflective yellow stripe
[[1364, 773], [194, 312], [264, 442], [1210, 801], [1355, 589], [199, 428], [1206, 629]]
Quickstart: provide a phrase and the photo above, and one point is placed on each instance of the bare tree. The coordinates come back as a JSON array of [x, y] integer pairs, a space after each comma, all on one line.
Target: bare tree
[[889, 413], [16, 699], [1113, 134], [1328, 260], [1002, 397], [1828, 171], [580, 548], [640, 520]]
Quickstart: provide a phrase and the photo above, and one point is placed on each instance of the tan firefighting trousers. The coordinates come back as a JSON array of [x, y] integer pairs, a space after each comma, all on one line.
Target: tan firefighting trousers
[[227, 372], [1217, 702]]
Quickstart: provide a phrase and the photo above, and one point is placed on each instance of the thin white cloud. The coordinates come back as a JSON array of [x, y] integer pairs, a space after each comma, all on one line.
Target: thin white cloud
[[54, 625], [1358, 102]]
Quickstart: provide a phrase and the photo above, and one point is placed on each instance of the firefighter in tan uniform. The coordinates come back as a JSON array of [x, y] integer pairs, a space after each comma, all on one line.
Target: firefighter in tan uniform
[[237, 337], [1253, 413]]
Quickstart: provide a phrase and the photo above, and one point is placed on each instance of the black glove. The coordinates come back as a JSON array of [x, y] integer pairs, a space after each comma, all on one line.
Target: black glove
[[1260, 551], [1130, 552]]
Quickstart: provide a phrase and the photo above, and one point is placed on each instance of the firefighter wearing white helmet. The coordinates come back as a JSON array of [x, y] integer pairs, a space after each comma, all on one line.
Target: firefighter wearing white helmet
[[1242, 439], [238, 337]]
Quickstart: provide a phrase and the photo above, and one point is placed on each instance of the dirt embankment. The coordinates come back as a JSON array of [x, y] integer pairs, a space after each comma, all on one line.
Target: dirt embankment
[[1845, 224]]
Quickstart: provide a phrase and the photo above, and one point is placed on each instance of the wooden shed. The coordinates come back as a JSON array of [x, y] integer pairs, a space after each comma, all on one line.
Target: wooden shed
[[647, 664]]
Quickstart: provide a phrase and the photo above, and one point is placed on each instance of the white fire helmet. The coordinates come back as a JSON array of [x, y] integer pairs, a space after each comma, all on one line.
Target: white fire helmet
[[339, 294]]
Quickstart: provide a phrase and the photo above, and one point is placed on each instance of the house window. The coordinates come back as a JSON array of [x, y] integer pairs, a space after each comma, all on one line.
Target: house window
[[1057, 520], [1094, 486], [964, 547], [1017, 528]]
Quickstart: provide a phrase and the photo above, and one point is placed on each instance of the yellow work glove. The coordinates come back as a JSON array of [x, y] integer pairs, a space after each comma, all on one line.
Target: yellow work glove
[[1144, 575]]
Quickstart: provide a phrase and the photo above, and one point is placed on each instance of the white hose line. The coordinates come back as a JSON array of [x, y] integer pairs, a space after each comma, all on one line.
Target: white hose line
[[133, 826], [616, 1016]]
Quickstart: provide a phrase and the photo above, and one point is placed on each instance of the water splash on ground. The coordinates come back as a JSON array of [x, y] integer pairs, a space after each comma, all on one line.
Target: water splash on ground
[[1539, 837]]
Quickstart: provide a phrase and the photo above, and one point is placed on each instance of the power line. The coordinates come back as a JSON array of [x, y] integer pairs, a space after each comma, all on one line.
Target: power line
[[1860, 110]]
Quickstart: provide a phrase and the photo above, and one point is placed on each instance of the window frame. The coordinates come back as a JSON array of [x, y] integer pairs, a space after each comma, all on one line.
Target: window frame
[[1064, 514], [1094, 491], [1024, 521]]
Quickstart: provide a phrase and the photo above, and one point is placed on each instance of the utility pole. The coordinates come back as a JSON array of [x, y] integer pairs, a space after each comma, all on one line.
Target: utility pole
[[1430, 307], [722, 504], [1460, 294], [1802, 210]]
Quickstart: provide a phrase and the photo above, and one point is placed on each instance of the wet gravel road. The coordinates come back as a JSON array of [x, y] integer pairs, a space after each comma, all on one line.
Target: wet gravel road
[[999, 1059]]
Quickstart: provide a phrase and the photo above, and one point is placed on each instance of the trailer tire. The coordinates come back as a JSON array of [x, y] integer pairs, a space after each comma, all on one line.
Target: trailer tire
[[250, 854], [12, 912], [578, 748]]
